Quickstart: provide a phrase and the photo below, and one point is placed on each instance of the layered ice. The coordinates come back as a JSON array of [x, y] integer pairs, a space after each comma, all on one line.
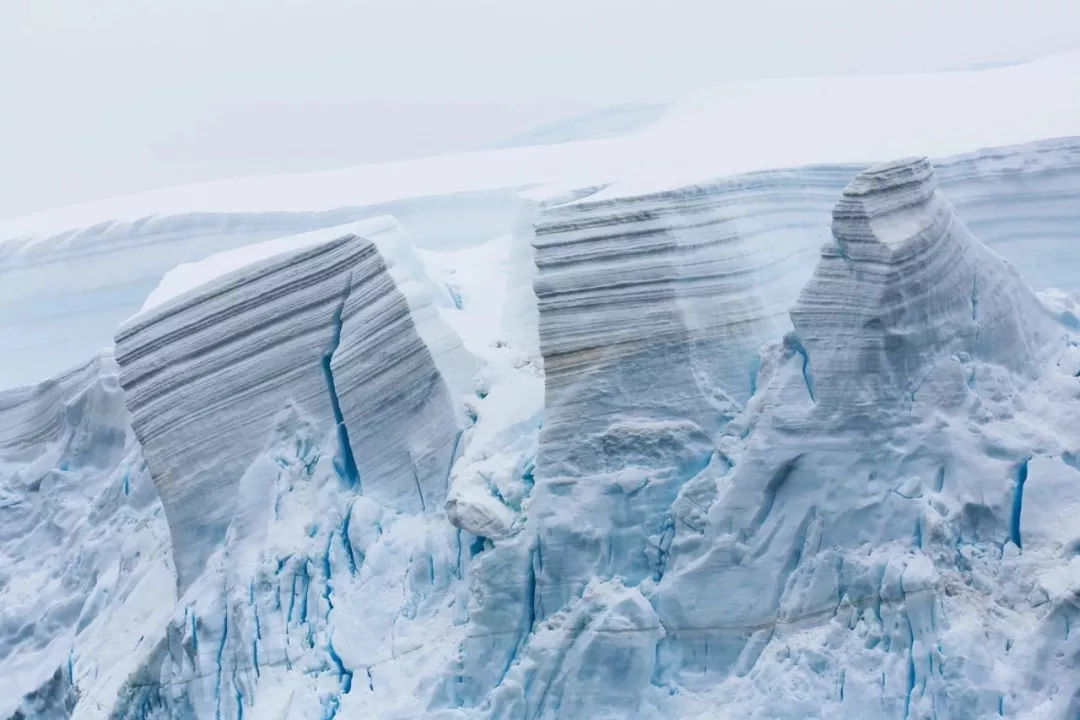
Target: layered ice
[[867, 535], [870, 517], [782, 444], [904, 291], [323, 328]]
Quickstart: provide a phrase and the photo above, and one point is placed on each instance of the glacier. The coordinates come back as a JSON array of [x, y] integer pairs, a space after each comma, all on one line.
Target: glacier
[[786, 440], [323, 329]]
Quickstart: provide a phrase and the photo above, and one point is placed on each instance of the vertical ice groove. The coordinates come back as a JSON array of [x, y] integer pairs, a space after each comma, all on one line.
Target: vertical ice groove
[[528, 617], [416, 480], [349, 471], [345, 675], [1018, 503], [218, 660], [346, 541], [328, 588], [910, 670], [805, 369]]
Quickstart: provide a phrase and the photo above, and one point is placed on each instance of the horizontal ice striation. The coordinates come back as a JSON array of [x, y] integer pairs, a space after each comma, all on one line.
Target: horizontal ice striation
[[652, 309], [1020, 200], [323, 328], [875, 497], [904, 288], [650, 314], [33, 416], [651, 303], [768, 226], [65, 291]]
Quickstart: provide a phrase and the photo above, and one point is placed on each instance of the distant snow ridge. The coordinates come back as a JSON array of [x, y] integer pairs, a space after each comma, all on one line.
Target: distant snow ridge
[[323, 328]]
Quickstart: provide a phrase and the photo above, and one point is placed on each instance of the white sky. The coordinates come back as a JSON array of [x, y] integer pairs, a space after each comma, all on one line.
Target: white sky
[[113, 96]]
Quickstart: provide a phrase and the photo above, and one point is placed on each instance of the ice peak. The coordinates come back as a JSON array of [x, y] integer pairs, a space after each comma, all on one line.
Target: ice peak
[[906, 288], [885, 177], [888, 204]]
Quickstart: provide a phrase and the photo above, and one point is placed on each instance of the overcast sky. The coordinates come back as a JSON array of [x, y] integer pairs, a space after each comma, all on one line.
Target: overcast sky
[[101, 97]]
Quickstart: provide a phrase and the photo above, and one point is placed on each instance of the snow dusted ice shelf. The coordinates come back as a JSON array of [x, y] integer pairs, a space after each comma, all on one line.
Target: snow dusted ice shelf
[[64, 295], [71, 275], [759, 443]]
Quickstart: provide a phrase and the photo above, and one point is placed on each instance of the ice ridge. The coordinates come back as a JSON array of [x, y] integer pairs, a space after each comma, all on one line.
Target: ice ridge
[[904, 292]]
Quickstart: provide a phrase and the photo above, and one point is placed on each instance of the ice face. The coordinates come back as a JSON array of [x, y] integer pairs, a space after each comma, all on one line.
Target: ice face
[[874, 501], [725, 476], [323, 329], [84, 550], [906, 295]]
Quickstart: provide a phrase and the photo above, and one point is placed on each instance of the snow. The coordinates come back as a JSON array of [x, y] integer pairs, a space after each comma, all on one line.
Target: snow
[[805, 121], [748, 126], [187, 276]]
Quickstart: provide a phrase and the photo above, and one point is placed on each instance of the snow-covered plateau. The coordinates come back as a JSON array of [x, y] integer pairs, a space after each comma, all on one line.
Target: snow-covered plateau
[[768, 409]]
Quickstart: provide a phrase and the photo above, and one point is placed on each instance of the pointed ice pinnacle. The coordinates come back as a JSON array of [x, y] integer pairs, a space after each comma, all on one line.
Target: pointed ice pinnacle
[[893, 299]]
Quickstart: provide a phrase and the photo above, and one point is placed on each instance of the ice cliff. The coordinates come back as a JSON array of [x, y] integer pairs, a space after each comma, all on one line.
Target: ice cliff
[[785, 443], [903, 289], [323, 329], [863, 534]]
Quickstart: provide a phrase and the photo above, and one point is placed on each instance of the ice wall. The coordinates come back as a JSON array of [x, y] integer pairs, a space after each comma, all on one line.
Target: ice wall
[[323, 329], [759, 478], [873, 507], [903, 289]]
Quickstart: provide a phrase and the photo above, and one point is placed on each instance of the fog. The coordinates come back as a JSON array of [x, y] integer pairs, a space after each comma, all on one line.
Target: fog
[[117, 96]]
